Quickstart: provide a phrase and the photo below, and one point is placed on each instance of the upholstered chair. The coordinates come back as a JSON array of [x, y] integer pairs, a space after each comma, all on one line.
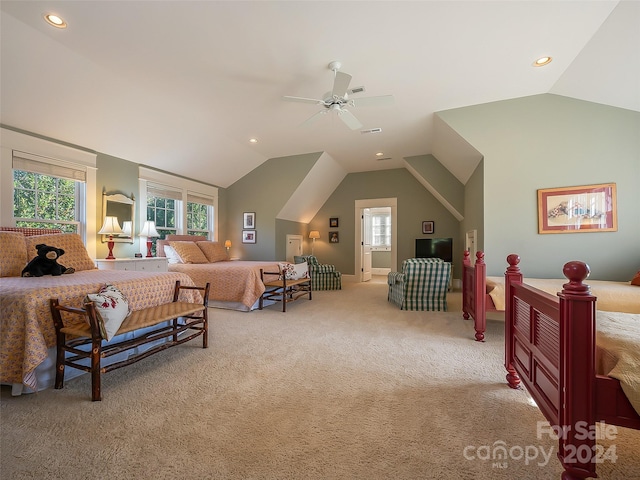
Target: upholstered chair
[[323, 277], [421, 285]]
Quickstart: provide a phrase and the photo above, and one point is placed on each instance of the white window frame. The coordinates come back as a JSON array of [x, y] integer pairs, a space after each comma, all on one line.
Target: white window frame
[[186, 188], [53, 154]]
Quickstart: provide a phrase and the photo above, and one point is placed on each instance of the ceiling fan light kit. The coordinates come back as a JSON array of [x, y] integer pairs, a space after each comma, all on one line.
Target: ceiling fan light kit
[[338, 98]]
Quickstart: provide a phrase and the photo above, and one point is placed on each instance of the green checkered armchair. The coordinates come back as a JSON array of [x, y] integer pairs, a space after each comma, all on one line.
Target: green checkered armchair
[[422, 284], [323, 277]]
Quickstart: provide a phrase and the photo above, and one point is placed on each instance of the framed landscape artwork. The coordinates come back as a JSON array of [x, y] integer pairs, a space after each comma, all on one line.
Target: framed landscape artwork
[[588, 208]]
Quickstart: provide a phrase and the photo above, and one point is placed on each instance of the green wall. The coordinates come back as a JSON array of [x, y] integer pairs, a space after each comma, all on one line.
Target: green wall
[[414, 204], [547, 141], [265, 190]]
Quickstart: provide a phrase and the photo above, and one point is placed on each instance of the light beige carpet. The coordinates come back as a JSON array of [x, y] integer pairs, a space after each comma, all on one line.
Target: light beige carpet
[[345, 386]]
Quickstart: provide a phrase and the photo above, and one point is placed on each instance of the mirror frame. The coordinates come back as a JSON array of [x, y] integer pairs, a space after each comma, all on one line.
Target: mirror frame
[[119, 198]]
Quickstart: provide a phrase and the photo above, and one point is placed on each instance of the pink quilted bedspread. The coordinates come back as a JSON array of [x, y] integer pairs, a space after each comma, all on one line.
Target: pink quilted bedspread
[[231, 281], [27, 329]]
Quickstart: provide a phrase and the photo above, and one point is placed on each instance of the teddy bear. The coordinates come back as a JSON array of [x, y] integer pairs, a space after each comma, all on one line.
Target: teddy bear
[[46, 263]]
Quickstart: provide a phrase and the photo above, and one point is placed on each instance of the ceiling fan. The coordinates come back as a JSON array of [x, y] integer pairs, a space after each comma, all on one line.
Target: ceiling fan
[[338, 99]]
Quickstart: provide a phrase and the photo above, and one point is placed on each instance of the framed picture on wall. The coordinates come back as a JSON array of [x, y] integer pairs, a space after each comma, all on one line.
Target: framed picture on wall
[[587, 208], [428, 227], [333, 222], [249, 220], [248, 236], [333, 237]]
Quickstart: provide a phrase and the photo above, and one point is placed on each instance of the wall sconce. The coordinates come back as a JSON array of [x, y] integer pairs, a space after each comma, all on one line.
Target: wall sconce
[[149, 230], [313, 234], [110, 227], [227, 245]]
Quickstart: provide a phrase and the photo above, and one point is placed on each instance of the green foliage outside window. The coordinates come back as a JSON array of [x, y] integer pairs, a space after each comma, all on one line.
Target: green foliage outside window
[[41, 201], [197, 219]]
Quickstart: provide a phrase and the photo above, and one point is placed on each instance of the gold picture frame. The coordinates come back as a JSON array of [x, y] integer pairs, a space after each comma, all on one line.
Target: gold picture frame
[[581, 209]]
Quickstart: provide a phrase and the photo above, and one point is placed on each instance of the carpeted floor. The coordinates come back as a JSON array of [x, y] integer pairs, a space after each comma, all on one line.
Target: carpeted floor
[[345, 386]]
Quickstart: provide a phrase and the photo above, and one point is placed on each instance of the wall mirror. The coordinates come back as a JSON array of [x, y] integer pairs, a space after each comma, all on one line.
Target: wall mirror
[[123, 207]]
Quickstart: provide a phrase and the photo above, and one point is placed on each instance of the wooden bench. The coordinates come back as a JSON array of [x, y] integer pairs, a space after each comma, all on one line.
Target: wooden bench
[[283, 290], [70, 336]]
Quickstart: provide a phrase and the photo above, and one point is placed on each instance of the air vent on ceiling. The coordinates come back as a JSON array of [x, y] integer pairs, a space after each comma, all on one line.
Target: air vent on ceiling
[[371, 130], [353, 90], [385, 158]]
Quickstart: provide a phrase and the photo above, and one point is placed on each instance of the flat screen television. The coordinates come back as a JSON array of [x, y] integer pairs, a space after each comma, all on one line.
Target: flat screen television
[[435, 248]]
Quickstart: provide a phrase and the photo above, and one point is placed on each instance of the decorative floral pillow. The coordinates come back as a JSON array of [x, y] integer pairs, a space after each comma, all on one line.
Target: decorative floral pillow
[[112, 308], [189, 252], [14, 254], [292, 271]]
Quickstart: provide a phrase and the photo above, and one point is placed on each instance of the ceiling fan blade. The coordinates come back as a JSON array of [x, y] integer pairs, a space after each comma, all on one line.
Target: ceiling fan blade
[[304, 100], [368, 101], [340, 84], [313, 118], [350, 121]]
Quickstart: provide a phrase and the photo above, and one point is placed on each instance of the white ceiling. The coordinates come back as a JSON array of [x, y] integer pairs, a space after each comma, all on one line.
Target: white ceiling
[[183, 85]]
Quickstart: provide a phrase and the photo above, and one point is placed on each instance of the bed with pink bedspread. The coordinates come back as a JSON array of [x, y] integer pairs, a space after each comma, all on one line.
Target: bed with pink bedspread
[[27, 333], [235, 284]]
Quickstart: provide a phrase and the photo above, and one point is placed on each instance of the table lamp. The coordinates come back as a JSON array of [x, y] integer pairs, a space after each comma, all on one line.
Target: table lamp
[[227, 245], [127, 228], [110, 227], [313, 234], [149, 231]]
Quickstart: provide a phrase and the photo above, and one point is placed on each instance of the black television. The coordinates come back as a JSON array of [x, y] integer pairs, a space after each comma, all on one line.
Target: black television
[[435, 248]]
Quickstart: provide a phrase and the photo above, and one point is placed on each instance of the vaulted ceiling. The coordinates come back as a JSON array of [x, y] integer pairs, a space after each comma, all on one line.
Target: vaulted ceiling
[[183, 85]]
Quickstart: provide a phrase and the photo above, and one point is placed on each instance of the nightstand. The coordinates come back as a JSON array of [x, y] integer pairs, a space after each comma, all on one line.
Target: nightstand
[[154, 264]]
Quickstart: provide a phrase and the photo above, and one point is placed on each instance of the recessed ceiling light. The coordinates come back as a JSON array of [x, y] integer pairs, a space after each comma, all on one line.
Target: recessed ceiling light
[[379, 154], [55, 20], [542, 61], [253, 140]]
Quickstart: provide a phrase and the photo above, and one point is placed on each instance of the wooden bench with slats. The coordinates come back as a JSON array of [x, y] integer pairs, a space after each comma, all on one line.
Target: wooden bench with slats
[[283, 290], [172, 319]]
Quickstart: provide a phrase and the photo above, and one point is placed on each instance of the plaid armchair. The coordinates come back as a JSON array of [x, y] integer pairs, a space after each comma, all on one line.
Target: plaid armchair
[[422, 284], [323, 277]]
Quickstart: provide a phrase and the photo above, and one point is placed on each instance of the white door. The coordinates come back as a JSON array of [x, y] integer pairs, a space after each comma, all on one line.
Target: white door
[[294, 246], [366, 244]]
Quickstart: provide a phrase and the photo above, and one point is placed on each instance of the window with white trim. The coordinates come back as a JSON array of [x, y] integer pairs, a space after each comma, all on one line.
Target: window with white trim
[[46, 195]]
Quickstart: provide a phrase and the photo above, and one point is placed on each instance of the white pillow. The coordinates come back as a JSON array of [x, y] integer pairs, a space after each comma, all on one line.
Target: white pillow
[[172, 255], [112, 308], [292, 271]]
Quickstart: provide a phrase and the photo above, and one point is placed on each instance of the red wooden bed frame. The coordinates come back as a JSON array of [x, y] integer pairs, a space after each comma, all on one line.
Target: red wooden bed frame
[[475, 300], [550, 349]]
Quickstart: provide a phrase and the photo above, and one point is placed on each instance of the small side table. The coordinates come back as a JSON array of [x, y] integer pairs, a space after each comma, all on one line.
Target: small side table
[[154, 264]]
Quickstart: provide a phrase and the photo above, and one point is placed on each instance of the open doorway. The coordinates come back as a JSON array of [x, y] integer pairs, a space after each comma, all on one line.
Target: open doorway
[[365, 217]]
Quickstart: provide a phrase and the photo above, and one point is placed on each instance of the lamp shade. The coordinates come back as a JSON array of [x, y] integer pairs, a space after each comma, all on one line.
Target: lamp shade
[[227, 243], [127, 227], [110, 226], [149, 229], [314, 234]]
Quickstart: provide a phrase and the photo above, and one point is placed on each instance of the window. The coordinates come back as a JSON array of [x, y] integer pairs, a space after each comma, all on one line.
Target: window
[[178, 205], [197, 219], [61, 178], [162, 211], [44, 201], [381, 228]]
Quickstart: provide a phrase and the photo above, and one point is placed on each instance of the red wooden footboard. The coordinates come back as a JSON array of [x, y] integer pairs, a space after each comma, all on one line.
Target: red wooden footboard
[[474, 288], [550, 348]]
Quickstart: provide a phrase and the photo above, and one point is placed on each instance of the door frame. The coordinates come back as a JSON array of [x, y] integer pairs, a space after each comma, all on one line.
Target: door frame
[[372, 203]]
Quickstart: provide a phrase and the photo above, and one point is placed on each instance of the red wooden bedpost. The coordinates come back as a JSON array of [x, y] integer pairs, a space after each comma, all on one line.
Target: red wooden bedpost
[[512, 274], [577, 373], [480, 298], [465, 284]]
